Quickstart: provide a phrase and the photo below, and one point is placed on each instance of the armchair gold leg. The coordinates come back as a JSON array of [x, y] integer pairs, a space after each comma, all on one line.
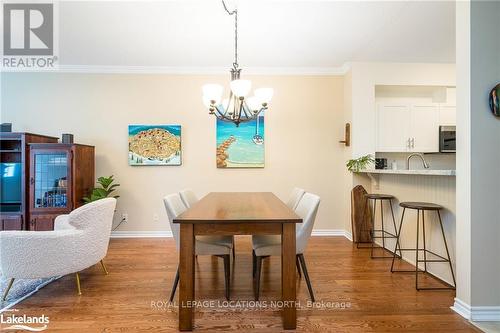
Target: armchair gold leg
[[78, 284], [7, 290], [104, 267]]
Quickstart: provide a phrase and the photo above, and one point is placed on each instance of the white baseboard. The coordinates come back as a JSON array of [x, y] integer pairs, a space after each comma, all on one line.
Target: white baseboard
[[141, 234], [158, 234], [328, 232], [476, 313], [485, 313], [462, 308]]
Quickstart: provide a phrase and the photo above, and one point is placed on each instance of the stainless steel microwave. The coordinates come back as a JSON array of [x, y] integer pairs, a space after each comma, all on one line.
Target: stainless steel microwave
[[447, 139]]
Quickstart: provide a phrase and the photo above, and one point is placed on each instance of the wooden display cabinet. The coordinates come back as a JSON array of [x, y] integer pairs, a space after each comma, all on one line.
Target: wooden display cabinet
[[14, 177], [60, 176]]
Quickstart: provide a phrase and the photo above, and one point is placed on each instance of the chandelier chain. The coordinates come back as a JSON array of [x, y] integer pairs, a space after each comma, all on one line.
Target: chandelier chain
[[235, 13]]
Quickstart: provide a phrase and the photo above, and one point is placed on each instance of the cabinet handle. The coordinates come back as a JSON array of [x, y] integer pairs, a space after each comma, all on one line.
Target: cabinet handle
[[408, 143], [413, 142]]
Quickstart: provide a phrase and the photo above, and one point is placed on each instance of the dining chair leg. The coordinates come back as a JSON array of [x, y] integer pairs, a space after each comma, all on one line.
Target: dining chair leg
[[253, 263], [306, 275], [258, 266], [234, 249], [174, 287], [11, 281], [227, 268], [297, 263]]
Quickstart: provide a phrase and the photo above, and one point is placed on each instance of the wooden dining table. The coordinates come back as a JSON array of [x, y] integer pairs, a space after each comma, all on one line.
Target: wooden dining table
[[237, 213]]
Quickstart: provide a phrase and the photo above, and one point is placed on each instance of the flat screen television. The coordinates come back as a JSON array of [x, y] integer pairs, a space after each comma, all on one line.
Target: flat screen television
[[10, 183]]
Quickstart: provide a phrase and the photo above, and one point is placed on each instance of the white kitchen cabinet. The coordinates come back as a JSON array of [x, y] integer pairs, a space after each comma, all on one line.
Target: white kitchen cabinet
[[407, 127], [393, 127], [424, 128]]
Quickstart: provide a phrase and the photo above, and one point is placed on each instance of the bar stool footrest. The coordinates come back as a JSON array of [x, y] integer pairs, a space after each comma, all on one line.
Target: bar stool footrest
[[443, 259], [384, 233]]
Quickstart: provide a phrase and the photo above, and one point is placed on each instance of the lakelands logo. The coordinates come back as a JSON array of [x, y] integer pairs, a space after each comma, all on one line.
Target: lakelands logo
[[29, 36], [23, 322]]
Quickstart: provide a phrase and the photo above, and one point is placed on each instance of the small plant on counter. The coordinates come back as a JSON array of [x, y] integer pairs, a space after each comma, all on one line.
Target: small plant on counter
[[359, 164], [104, 191]]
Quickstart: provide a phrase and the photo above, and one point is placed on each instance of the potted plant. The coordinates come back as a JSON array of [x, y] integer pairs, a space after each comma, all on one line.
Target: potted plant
[[106, 188], [359, 164]]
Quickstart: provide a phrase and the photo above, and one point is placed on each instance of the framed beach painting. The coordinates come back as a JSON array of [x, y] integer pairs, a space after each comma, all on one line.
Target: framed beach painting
[[240, 147], [154, 145]]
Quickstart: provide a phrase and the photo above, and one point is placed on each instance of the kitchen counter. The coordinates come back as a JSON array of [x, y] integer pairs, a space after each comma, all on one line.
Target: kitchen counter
[[425, 185], [423, 172]]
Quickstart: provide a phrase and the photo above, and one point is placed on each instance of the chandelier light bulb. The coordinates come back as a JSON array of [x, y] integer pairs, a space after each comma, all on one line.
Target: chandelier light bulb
[[213, 92], [241, 88], [253, 103], [264, 95]]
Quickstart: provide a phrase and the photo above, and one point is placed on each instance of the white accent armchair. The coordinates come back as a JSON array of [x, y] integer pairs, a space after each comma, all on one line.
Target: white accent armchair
[[79, 240]]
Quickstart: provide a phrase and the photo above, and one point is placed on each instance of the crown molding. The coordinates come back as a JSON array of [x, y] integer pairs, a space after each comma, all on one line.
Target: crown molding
[[84, 69]]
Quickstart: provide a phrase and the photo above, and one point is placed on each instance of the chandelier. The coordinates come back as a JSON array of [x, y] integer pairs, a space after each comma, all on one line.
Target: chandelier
[[238, 108]]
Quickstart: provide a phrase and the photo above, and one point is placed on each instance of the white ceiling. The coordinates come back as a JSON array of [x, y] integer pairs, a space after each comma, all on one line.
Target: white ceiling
[[285, 34]]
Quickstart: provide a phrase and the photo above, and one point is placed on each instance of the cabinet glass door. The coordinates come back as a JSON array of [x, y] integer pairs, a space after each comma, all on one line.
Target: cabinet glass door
[[51, 180]]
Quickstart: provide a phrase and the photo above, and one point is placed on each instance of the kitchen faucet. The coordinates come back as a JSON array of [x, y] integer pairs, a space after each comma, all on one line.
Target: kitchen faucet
[[421, 157]]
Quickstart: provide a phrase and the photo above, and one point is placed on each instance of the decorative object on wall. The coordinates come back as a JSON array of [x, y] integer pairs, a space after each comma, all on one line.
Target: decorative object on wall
[[154, 145], [359, 164], [347, 135], [237, 108], [241, 146], [495, 100]]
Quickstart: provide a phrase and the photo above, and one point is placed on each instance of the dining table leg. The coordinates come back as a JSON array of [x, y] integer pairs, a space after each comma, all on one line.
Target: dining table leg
[[288, 287], [186, 276]]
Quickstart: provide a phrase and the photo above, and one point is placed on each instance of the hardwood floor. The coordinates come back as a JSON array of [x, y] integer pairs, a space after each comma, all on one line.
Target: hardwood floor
[[365, 296]]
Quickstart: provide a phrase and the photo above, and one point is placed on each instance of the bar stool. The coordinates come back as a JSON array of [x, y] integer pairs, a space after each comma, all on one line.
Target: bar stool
[[383, 233], [422, 207]]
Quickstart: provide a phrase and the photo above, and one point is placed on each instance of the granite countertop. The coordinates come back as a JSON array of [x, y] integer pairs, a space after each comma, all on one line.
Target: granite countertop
[[424, 172]]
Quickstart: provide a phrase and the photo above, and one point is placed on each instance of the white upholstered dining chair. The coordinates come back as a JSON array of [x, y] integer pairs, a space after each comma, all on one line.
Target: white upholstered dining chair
[[219, 246], [189, 198], [294, 198], [79, 240], [270, 245]]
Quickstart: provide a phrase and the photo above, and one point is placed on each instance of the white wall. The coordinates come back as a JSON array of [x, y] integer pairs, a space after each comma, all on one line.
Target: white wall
[[478, 159], [463, 152], [303, 126]]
